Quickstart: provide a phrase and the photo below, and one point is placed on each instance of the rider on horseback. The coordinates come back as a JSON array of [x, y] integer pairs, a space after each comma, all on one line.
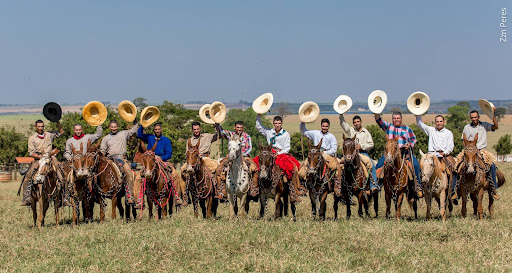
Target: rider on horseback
[[406, 140], [328, 148], [364, 144], [204, 147], [39, 144]]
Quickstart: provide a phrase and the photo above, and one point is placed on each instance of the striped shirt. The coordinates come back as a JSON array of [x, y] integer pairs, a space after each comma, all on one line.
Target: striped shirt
[[403, 133], [244, 138]]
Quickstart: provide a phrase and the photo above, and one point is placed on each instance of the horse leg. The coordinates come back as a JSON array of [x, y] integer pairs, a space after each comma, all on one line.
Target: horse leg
[[293, 209], [347, 203], [158, 212], [388, 204], [46, 204], [428, 202], [102, 211], [313, 203], [474, 198], [114, 205], [399, 206], [278, 209], [263, 203], [244, 204], [56, 210], [209, 202], [247, 201], [215, 205], [40, 217], [463, 200], [285, 201], [323, 198], [442, 198], [376, 203], [202, 203], [74, 207], [170, 204], [335, 206], [491, 203], [34, 210], [232, 205], [480, 203], [415, 208]]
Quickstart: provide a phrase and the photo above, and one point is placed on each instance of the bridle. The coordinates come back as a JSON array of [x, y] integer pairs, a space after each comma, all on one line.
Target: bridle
[[266, 154]]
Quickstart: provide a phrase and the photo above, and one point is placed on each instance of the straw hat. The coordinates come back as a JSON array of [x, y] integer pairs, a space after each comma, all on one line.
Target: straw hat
[[218, 111], [342, 104], [127, 110], [487, 107], [418, 103], [149, 115], [94, 113], [204, 114], [262, 104], [309, 111], [52, 111], [377, 100]]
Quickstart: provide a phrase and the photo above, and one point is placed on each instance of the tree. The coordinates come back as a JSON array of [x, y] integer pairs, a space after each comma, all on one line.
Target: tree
[[140, 103], [500, 113], [282, 109], [421, 140], [464, 104], [12, 144], [504, 146], [456, 119], [395, 109], [379, 141]]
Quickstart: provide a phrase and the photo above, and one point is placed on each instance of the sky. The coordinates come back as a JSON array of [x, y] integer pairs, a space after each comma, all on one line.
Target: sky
[[78, 51]]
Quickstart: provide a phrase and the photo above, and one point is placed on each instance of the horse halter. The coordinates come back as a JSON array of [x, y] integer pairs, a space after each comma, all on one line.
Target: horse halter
[[318, 156], [470, 150], [272, 160], [149, 153], [350, 157], [76, 158], [431, 172], [192, 151]]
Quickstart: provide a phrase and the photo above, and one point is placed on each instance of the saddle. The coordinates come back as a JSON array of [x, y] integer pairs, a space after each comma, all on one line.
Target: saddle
[[117, 165]]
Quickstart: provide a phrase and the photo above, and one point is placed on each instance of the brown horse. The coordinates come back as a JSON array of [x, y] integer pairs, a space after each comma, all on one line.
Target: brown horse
[[396, 178], [353, 179], [434, 178], [200, 183], [474, 180], [46, 186], [319, 181], [157, 182], [271, 183], [104, 179]]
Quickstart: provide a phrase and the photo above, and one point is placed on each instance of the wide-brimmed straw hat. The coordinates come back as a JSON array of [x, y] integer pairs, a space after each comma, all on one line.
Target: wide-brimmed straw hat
[[94, 113], [377, 101], [487, 107], [204, 114], [418, 103], [218, 111], [262, 104], [309, 112], [52, 111], [149, 115], [342, 104], [127, 110]]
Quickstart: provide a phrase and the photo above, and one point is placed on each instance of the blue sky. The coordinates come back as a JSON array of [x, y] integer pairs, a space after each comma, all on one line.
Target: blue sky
[[77, 51]]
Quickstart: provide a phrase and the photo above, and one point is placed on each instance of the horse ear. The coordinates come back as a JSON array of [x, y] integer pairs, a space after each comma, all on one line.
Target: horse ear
[[259, 145], [464, 139], [198, 142], [72, 148], [344, 137], [142, 147], [354, 138], [97, 146], [154, 146], [309, 143], [475, 138], [189, 143], [89, 143], [320, 143], [82, 147], [422, 153], [55, 151]]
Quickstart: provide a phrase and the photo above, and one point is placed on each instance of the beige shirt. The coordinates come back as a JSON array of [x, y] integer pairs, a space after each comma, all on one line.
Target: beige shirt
[[68, 153], [364, 138], [481, 129], [115, 145], [42, 145], [206, 142]]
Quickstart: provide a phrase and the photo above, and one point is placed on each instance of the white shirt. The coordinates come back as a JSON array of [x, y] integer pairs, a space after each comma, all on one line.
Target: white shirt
[[280, 141], [470, 130], [363, 137], [329, 142], [438, 140]]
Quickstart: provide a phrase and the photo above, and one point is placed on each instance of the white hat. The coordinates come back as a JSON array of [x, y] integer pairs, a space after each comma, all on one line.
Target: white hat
[[218, 111], [342, 104], [309, 111], [204, 114], [418, 103], [377, 100], [262, 104], [487, 107]]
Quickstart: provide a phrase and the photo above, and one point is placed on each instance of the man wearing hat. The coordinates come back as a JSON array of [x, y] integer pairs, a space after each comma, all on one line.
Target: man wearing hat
[[364, 145], [280, 140], [113, 146], [39, 144], [246, 142], [406, 140], [481, 127], [204, 147], [329, 144]]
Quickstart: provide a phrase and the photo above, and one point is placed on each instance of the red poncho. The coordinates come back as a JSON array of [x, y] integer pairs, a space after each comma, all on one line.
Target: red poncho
[[285, 163]]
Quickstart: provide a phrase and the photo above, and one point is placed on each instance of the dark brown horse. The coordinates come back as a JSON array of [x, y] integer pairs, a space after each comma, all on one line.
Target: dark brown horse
[[105, 180], [200, 183], [156, 182], [354, 179], [271, 183], [319, 181], [396, 179], [46, 187], [474, 179]]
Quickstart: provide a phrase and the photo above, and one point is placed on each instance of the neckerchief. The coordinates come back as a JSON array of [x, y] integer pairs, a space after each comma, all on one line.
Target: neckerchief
[[78, 137], [40, 136], [274, 136]]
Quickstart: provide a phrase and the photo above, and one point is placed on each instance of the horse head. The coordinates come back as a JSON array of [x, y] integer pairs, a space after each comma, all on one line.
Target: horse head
[[148, 160], [470, 153], [90, 160], [427, 166], [315, 158], [193, 158], [266, 161], [391, 151], [349, 149], [45, 166], [77, 161], [234, 148]]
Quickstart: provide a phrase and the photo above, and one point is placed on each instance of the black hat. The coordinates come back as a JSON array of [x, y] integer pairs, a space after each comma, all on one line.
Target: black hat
[[52, 111]]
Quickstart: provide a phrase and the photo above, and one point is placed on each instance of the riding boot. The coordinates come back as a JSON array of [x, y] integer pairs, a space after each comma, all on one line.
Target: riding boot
[[26, 201], [128, 176]]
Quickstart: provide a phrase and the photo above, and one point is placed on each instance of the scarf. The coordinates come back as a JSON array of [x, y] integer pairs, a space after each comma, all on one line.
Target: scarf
[[78, 137], [40, 136]]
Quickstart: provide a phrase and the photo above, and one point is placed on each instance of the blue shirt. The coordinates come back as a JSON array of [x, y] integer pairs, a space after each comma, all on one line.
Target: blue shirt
[[163, 147]]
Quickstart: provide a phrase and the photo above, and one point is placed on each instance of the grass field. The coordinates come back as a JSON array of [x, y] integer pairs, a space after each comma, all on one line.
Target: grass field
[[22, 123], [186, 244]]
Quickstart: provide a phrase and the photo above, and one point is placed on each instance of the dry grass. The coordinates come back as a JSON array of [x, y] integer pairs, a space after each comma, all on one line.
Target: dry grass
[[186, 244]]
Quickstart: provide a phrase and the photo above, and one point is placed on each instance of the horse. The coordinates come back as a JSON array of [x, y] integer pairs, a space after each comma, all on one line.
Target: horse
[[473, 179], [77, 185], [104, 179], [271, 183], [396, 177], [319, 181], [157, 182], [353, 179], [200, 183], [434, 178], [238, 177], [47, 186]]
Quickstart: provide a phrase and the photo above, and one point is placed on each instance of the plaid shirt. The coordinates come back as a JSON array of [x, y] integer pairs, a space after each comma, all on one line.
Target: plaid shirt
[[244, 137], [404, 133]]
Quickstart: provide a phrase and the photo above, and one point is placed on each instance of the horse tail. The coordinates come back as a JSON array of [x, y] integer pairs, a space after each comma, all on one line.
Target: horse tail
[[500, 176]]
